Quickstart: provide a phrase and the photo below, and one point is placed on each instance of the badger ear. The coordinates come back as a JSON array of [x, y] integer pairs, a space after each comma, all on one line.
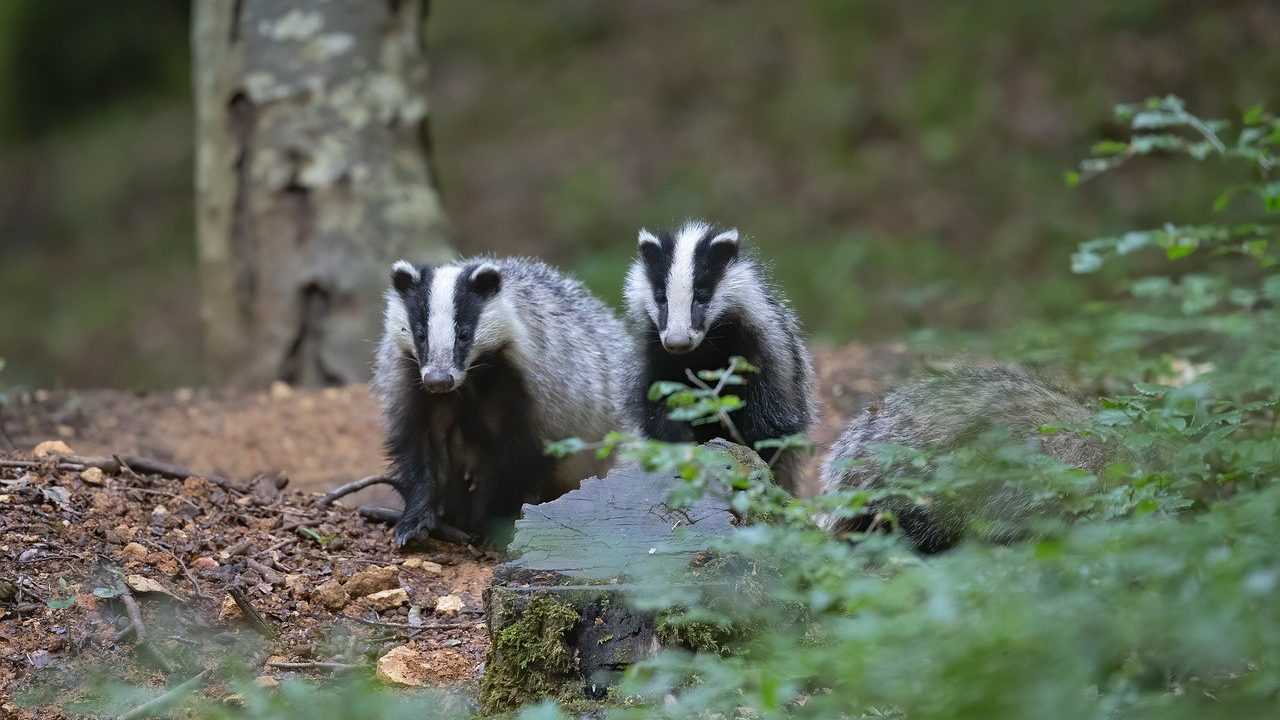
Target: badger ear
[[486, 279], [404, 276], [650, 246], [724, 247]]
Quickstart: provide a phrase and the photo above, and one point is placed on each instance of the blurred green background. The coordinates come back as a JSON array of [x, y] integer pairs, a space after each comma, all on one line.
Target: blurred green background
[[899, 163]]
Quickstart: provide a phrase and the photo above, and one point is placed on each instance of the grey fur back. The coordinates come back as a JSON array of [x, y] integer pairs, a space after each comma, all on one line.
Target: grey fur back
[[946, 412]]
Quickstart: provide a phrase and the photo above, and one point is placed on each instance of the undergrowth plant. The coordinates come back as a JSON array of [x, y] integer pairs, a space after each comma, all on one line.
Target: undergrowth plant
[[1148, 589]]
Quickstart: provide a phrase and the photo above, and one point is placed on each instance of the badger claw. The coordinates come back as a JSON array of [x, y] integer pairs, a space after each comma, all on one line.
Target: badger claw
[[414, 524]]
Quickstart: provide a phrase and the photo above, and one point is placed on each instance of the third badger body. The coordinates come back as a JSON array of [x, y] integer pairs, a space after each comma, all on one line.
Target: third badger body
[[942, 413], [695, 299], [481, 363]]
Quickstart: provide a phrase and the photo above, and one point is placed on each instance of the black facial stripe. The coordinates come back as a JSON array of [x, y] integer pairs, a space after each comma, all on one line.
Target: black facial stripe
[[657, 267], [416, 302], [467, 305], [710, 263]]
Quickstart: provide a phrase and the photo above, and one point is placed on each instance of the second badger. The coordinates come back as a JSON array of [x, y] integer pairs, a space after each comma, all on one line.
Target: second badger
[[696, 300], [481, 362]]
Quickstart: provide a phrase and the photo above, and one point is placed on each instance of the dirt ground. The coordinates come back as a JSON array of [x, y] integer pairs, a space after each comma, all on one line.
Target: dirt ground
[[69, 539]]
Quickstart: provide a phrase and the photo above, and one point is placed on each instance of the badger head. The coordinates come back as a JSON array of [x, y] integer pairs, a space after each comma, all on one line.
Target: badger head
[[446, 317], [679, 282]]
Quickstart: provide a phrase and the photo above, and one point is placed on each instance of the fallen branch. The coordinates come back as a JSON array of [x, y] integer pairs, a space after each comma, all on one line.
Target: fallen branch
[[115, 465], [137, 629], [335, 666], [256, 621], [416, 628], [269, 574], [353, 487], [448, 533], [168, 699]]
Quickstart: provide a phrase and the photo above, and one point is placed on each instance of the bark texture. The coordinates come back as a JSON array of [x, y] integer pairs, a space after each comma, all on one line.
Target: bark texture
[[313, 175]]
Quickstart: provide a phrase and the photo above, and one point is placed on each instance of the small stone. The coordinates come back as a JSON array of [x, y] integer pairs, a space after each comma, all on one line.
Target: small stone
[[204, 563], [387, 599], [403, 666], [229, 610], [449, 605], [52, 447], [331, 595], [280, 390], [372, 580], [91, 476], [142, 584], [184, 395], [417, 563], [159, 511], [134, 551], [266, 682]]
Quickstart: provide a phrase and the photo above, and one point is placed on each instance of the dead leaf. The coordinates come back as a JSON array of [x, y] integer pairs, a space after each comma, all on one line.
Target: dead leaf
[[92, 476]]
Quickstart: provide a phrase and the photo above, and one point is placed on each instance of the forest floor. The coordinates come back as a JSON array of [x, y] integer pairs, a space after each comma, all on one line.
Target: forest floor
[[244, 559]]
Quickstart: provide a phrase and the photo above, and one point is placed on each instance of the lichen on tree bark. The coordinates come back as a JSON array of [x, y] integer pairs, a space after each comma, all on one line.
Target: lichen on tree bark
[[313, 175]]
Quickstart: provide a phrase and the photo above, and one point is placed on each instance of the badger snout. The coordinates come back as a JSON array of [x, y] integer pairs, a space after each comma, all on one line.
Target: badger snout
[[679, 342], [440, 380]]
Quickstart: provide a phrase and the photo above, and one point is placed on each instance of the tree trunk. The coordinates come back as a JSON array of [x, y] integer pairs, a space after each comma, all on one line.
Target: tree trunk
[[313, 175]]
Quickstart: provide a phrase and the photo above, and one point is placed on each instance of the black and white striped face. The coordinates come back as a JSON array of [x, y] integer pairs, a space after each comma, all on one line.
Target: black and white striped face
[[445, 317], [679, 281]]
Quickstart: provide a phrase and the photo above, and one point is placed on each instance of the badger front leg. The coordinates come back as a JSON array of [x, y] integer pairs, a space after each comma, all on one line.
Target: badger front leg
[[412, 476]]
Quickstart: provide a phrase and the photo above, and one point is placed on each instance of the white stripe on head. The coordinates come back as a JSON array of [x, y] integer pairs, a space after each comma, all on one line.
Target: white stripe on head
[[680, 279], [441, 318]]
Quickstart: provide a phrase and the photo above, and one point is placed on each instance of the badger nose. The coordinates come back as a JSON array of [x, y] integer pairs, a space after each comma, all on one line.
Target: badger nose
[[437, 381], [678, 343]]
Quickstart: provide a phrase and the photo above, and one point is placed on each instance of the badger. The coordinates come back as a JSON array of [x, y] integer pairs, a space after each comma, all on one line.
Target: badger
[[481, 362], [695, 299], [944, 412]]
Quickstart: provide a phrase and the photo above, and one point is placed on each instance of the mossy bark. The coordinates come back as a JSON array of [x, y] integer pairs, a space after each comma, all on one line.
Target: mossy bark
[[530, 658], [313, 175]]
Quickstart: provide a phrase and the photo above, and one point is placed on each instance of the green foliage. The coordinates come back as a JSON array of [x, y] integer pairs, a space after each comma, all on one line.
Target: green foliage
[[1145, 590]]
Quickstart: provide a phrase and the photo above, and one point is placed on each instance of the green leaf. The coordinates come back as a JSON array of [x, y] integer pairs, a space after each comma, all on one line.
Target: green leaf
[[61, 603], [1254, 115], [1110, 147], [1085, 262], [1271, 288], [566, 447], [1071, 178], [1149, 389], [663, 388], [1181, 246], [106, 593]]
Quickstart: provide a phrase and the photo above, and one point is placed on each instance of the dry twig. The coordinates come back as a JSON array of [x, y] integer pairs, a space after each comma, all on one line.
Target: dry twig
[[256, 621], [352, 487]]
